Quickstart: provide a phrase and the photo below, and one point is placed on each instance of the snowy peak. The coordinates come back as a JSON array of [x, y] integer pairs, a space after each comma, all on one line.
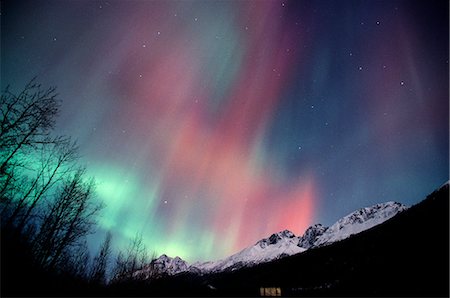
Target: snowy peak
[[164, 265], [169, 265], [275, 238], [376, 214], [278, 245], [285, 243], [358, 221], [310, 236]]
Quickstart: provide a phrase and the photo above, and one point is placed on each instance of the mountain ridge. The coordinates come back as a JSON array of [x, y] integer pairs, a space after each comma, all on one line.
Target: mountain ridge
[[280, 244]]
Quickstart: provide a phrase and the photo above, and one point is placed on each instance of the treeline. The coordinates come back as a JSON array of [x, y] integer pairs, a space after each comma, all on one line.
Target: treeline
[[48, 204]]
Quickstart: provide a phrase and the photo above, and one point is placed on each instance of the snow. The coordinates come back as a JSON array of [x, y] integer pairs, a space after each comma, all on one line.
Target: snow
[[359, 221], [163, 264], [283, 243], [276, 246], [310, 236]]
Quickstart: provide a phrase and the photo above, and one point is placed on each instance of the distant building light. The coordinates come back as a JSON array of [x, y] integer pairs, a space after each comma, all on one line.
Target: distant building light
[[270, 291]]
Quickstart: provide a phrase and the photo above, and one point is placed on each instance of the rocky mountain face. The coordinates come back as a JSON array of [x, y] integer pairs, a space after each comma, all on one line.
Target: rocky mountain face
[[311, 235], [281, 244], [359, 221], [164, 265]]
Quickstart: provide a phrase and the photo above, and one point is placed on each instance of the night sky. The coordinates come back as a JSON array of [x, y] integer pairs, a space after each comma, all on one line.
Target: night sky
[[209, 125]]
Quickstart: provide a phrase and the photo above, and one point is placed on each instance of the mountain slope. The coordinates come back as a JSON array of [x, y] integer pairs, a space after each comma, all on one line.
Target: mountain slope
[[285, 243], [404, 256], [277, 245], [358, 221], [161, 266], [280, 244], [311, 235]]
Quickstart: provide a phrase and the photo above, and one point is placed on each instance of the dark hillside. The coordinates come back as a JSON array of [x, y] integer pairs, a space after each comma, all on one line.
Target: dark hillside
[[405, 256], [21, 276]]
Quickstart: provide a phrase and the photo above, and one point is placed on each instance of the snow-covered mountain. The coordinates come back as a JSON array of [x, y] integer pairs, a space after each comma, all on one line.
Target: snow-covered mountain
[[310, 236], [359, 221], [283, 243], [162, 265], [277, 245]]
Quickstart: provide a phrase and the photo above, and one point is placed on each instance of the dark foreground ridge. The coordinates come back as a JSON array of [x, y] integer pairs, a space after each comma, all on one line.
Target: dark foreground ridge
[[407, 255]]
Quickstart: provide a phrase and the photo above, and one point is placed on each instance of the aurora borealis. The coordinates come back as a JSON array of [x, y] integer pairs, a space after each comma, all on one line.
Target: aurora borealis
[[209, 125]]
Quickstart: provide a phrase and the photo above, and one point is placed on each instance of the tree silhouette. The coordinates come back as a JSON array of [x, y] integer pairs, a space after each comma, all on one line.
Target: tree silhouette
[[130, 261], [71, 216], [27, 119], [101, 261], [47, 201], [48, 204], [56, 160]]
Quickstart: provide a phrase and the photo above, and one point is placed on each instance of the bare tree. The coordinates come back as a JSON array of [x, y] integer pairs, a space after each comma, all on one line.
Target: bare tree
[[101, 261], [70, 217], [75, 261], [46, 199], [133, 259], [26, 120], [54, 161], [120, 268], [11, 188]]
